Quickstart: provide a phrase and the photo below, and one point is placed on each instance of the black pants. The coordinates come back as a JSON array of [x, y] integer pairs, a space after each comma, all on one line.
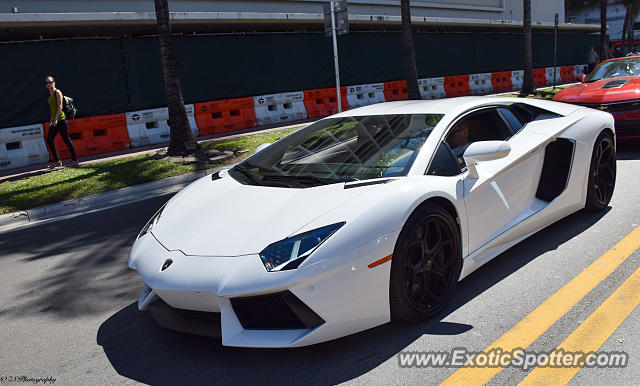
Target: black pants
[[63, 129]]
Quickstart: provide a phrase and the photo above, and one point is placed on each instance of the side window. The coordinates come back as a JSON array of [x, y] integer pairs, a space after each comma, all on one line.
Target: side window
[[484, 125], [444, 163], [514, 122]]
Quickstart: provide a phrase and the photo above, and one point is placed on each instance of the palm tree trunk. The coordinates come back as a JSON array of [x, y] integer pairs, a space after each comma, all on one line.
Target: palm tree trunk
[[411, 69], [528, 87], [603, 30], [181, 140], [625, 25]]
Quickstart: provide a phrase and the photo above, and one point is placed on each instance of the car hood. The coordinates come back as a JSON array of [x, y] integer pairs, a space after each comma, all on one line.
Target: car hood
[[226, 218], [602, 91]]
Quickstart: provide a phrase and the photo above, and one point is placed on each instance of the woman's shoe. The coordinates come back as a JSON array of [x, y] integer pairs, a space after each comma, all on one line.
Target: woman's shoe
[[74, 164], [54, 165]]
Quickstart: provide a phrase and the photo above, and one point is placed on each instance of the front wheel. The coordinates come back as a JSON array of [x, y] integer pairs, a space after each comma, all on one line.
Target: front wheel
[[602, 173], [426, 264]]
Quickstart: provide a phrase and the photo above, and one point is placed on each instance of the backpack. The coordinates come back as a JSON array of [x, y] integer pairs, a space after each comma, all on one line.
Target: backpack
[[68, 107]]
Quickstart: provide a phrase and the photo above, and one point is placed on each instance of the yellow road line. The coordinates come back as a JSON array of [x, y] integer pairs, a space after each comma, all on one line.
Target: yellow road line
[[592, 334], [545, 315]]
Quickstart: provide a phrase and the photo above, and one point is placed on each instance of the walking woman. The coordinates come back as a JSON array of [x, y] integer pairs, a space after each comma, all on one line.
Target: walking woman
[[58, 124]]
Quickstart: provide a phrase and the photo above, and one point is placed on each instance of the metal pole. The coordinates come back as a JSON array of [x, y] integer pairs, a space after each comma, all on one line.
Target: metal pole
[[555, 49], [335, 55]]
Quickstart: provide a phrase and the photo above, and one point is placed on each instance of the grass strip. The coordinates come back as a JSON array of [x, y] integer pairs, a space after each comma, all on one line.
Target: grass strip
[[67, 183]]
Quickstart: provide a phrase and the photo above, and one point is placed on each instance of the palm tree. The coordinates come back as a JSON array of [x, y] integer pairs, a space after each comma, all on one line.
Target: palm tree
[[528, 86], [603, 30], [181, 140], [592, 4], [633, 8], [410, 67]]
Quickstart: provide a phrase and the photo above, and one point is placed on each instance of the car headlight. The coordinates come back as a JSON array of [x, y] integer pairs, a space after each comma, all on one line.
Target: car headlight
[[151, 223], [290, 252]]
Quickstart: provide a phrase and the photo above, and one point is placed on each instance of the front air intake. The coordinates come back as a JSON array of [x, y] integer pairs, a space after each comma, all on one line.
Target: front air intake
[[282, 310]]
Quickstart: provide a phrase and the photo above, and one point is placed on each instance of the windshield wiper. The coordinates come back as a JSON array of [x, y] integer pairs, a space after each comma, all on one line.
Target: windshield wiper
[[307, 178], [242, 169]]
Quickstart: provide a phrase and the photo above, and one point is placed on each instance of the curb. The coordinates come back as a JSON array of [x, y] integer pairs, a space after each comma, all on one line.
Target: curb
[[101, 201]]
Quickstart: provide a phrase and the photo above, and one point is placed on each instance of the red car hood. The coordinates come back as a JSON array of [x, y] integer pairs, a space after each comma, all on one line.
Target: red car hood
[[594, 93]]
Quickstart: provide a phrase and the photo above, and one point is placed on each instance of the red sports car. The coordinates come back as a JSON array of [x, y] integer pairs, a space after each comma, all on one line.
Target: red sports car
[[613, 86]]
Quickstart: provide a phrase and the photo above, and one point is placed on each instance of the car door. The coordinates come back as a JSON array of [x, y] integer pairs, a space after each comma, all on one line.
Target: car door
[[505, 189]]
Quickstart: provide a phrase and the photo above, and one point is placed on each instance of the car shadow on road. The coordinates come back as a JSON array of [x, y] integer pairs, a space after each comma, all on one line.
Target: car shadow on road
[[140, 350]]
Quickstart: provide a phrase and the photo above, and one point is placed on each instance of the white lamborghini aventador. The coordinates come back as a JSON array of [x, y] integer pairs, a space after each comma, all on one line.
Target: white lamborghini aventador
[[367, 216]]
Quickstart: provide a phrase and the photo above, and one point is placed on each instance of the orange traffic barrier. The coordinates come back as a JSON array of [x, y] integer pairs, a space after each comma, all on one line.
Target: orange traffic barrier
[[322, 102], [93, 135], [457, 85], [540, 77], [396, 91], [501, 81], [225, 115], [566, 74]]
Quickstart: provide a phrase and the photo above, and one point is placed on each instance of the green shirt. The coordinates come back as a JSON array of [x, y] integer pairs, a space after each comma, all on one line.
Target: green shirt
[[53, 106]]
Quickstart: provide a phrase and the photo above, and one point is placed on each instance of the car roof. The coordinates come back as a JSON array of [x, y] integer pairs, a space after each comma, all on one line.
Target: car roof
[[452, 106], [621, 58]]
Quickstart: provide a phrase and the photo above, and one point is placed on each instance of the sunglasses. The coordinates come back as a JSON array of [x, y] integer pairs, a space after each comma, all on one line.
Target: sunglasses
[[49, 82]]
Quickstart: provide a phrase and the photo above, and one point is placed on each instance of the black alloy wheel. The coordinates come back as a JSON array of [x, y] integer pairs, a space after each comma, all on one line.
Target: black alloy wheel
[[602, 173], [425, 265]]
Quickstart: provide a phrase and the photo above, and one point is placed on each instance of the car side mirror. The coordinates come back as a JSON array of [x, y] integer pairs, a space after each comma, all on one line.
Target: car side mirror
[[261, 147], [483, 151], [581, 78]]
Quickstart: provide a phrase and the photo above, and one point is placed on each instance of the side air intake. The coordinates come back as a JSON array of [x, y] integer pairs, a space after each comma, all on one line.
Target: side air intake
[[558, 156]]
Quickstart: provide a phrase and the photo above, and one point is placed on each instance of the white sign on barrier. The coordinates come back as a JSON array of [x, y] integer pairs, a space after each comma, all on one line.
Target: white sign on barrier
[[480, 84], [275, 108], [432, 88], [549, 76], [579, 69], [22, 146], [150, 127], [365, 94], [516, 79]]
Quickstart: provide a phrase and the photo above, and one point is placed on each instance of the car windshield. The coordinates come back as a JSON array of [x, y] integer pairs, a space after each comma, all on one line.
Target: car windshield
[[340, 150], [615, 68]]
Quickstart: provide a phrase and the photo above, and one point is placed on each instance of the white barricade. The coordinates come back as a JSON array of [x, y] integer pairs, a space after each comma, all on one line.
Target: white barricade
[[549, 76], [22, 146], [579, 69], [150, 127], [480, 84], [432, 88], [276, 108], [365, 94], [516, 79]]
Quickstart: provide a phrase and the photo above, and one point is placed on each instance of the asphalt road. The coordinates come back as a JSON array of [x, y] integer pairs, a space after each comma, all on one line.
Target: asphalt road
[[68, 309]]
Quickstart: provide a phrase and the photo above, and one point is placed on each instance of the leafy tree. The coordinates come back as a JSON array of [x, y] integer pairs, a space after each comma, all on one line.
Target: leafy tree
[[181, 142], [411, 70]]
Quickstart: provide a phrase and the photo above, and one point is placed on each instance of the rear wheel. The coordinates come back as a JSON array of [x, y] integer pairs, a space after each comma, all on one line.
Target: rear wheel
[[426, 264], [602, 173]]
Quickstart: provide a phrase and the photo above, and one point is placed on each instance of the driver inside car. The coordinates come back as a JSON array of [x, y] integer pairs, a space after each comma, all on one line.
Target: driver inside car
[[458, 140]]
